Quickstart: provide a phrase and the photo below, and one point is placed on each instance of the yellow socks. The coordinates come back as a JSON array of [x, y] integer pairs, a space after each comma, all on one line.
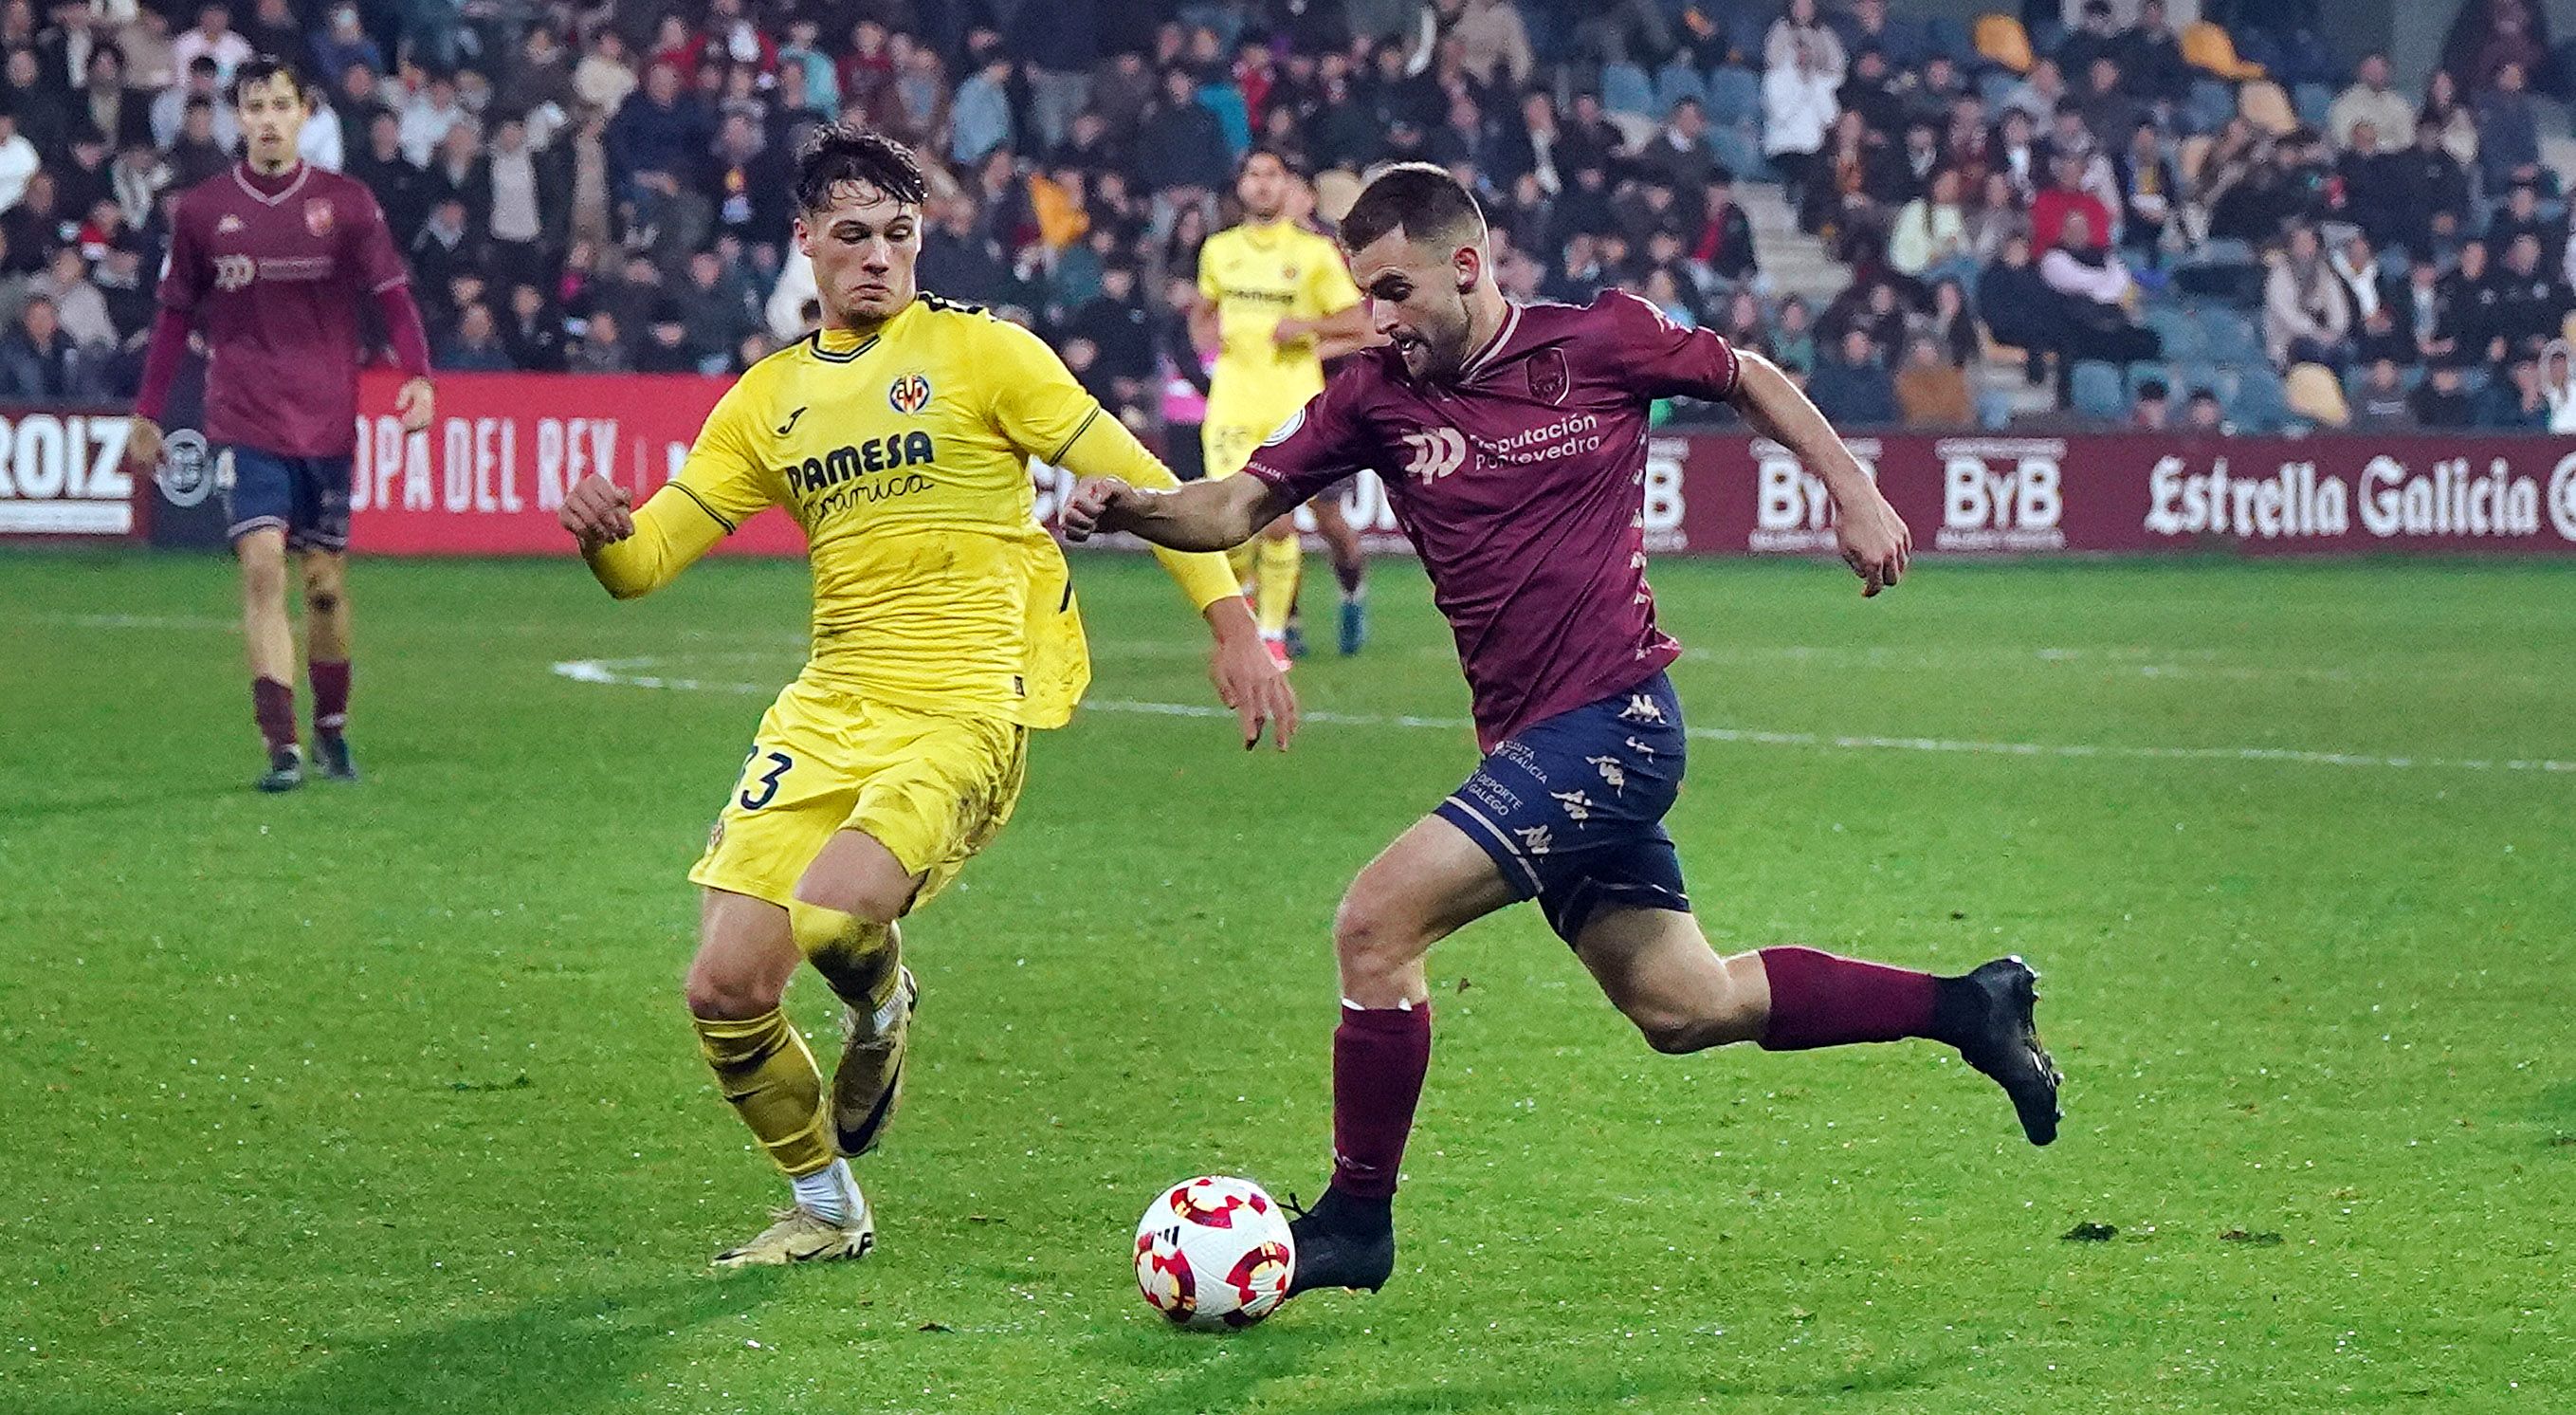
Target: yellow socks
[[863, 961], [1276, 566], [771, 1081]]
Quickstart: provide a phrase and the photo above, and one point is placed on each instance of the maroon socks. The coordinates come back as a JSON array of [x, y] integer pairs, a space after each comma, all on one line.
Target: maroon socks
[[1822, 1000], [272, 706], [1380, 1055], [330, 695]]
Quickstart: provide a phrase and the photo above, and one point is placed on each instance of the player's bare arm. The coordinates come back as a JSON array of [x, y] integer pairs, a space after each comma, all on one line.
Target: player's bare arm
[[1875, 542], [1244, 676], [1204, 515]]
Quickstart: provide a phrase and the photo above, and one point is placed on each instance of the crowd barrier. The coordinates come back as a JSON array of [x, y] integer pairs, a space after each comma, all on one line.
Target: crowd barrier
[[485, 479]]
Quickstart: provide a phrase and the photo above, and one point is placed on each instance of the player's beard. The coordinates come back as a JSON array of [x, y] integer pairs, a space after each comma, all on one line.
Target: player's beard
[[1442, 349]]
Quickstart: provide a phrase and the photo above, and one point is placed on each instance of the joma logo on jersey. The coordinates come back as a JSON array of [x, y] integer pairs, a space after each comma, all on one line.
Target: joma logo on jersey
[[1434, 453], [877, 454], [909, 393]]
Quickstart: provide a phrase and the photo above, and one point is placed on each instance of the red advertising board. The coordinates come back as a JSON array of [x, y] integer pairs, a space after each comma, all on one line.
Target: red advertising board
[[486, 477]]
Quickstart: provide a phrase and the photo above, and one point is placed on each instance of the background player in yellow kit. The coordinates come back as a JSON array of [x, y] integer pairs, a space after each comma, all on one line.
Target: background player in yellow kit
[[1283, 303], [944, 630]]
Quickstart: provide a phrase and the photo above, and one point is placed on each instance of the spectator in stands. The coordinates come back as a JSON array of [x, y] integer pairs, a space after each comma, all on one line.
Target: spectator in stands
[[2355, 264], [39, 361], [1180, 150], [429, 115], [600, 348], [2151, 59], [1798, 108], [1936, 90], [1931, 391], [1952, 323], [2515, 402], [605, 77], [2520, 216], [2558, 381], [658, 150], [1870, 91], [2508, 131], [2489, 36], [2381, 404], [1968, 145], [2369, 100], [1838, 204], [2380, 337], [343, 43], [1493, 41], [666, 343], [1793, 342], [1851, 388], [2202, 413], [2307, 315], [212, 38], [2095, 293], [1740, 323], [2039, 93], [2441, 401], [2053, 211], [2473, 297], [2094, 36], [2020, 308], [79, 307], [1680, 153], [2369, 186], [2105, 108], [1871, 306], [2148, 207], [18, 157], [2452, 115], [1724, 248], [1930, 237], [120, 113], [1998, 216], [1865, 26], [533, 333], [1799, 39], [2018, 155], [2531, 302], [170, 111], [2430, 190], [475, 345], [1906, 172], [2272, 189], [979, 116], [2153, 411]]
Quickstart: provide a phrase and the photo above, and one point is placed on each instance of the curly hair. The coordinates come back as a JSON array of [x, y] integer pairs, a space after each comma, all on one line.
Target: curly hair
[[839, 153]]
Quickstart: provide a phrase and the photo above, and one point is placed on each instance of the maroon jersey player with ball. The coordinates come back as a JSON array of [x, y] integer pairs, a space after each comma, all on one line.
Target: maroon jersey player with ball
[[268, 260], [1512, 440]]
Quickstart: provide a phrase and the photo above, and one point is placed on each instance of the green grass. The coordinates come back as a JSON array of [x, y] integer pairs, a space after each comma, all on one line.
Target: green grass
[[380, 1099]]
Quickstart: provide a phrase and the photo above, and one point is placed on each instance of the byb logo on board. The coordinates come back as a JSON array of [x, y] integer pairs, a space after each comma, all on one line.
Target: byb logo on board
[[2001, 494], [1793, 513], [64, 475]]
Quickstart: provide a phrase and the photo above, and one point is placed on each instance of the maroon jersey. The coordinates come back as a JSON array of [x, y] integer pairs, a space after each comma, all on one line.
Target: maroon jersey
[[273, 274], [1522, 485]]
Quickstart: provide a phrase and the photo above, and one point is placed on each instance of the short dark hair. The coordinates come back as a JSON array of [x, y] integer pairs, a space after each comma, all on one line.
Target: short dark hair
[[1287, 163], [1422, 200], [262, 68], [838, 153]]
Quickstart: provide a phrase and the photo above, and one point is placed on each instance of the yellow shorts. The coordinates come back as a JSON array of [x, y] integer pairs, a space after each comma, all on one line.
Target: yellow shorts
[[932, 788], [1226, 447]]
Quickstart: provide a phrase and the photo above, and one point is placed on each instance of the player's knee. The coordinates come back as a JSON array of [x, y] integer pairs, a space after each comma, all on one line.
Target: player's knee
[[1371, 937], [1672, 1033], [320, 601], [263, 579], [722, 994]]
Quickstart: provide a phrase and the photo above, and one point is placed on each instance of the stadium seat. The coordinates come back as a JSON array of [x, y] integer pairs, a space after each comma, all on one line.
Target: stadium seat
[[2211, 104], [1942, 35], [2179, 330], [1736, 146], [2266, 107], [2232, 336], [1734, 96], [2002, 40], [1626, 89], [2313, 393], [2100, 392], [2310, 101], [2141, 374], [1676, 80], [2260, 404], [2207, 47], [2046, 35]]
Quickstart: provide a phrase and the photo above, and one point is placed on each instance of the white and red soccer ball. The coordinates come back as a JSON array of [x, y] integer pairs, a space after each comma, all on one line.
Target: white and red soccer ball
[[1214, 1253]]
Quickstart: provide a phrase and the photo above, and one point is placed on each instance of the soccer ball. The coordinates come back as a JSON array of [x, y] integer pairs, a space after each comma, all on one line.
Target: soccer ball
[[1213, 1253]]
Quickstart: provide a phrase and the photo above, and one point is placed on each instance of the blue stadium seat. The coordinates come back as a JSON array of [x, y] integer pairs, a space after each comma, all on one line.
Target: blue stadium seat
[[2211, 104], [2099, 392], [2181, 333], [2261, 404], [1741, 152], [2232, 336], [2045, 36], [1944, 35], [1626, 89], [2311, 100], [1734, 96], [1678, 80]]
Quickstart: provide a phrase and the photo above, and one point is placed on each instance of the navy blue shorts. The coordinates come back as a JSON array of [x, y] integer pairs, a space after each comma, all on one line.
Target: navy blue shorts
[[306, 497], [1572, 808]]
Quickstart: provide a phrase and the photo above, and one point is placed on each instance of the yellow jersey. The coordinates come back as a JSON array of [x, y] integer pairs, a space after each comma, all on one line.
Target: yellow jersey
[[1256, 275], [904, 456]]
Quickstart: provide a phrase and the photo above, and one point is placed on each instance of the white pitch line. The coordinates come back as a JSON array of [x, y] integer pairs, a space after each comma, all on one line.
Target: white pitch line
[[620, 673]]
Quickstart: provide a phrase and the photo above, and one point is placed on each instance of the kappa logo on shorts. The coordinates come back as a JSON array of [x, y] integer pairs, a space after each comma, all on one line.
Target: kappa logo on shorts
[[909, 393], [1578, 807], [1642, 708], [1640, 748], [1535, 839], [1614, 773]]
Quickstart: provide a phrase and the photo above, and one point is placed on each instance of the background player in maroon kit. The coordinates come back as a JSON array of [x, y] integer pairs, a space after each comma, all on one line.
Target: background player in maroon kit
[[1512, 439], [268, 259]]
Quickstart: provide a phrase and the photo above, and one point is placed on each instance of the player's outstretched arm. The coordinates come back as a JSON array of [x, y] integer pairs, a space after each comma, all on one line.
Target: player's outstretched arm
[[1875, 542], [1217, 514], [635, 552]]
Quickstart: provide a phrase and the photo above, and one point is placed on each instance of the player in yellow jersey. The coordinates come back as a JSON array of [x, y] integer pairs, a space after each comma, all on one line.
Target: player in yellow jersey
[[944, 630], [1283, 303]]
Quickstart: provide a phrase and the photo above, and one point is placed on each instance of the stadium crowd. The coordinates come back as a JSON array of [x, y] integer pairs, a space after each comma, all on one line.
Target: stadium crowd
[[2105, 221]]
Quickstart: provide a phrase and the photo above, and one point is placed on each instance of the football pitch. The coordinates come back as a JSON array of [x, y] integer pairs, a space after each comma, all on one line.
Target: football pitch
[[380, 1098]]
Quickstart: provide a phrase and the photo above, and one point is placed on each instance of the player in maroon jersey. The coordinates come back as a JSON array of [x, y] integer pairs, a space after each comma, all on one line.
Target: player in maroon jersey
[[268, 261], [1512, 439]]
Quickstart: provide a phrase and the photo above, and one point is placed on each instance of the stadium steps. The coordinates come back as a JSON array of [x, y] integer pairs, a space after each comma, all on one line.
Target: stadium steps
[[1795, 261]]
